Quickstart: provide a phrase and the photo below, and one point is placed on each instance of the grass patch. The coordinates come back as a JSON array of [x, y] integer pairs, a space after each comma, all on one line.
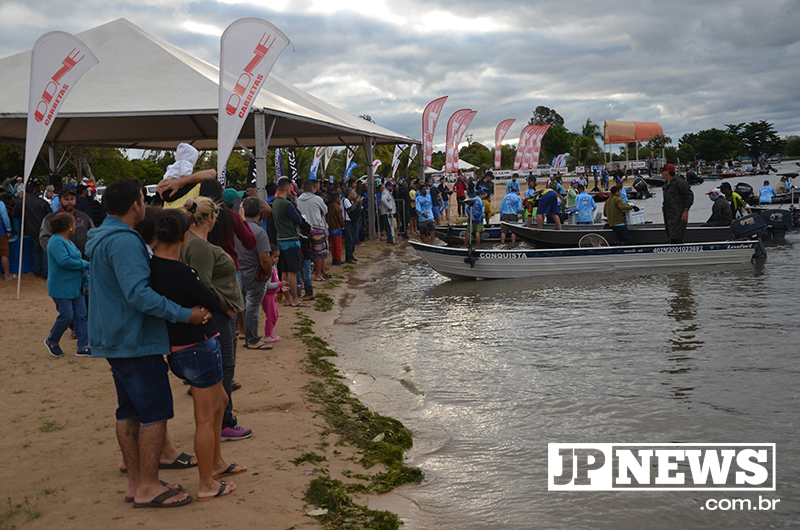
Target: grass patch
[[324, 302], [51, 425], [31, 511], [11, 511], [314, 458], [379, 439]]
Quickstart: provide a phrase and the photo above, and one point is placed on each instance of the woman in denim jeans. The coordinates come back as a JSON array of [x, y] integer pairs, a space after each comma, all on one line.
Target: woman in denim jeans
[[195, 354]]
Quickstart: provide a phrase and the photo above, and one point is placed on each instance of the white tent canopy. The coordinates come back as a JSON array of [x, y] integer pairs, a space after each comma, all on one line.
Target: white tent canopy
[[149, 94], [464, 166]]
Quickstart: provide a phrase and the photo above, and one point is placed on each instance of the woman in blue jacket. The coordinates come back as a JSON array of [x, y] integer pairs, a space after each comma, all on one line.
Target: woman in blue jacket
[[65, 285]]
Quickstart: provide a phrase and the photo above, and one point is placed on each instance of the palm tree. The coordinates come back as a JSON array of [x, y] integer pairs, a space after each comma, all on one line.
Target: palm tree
[[591, 130], [585, 151]]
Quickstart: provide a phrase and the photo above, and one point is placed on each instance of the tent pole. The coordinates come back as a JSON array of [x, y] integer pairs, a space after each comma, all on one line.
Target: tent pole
[[261, 152], [369, 145]]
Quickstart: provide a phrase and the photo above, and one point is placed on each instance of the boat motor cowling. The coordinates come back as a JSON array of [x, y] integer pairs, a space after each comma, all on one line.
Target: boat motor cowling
[[748, 226], [778, 222]]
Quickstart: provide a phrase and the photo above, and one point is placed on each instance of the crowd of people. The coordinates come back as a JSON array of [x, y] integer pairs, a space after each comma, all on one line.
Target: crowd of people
[[174, 282]]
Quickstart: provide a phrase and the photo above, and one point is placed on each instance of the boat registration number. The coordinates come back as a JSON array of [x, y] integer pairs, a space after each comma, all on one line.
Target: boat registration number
[[665, 250]]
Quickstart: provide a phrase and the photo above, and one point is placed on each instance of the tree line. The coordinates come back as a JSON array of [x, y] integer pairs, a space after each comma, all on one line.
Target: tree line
[[104, 165]]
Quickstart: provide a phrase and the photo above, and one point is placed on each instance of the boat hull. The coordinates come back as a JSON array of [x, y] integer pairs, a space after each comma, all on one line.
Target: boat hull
[[509, 264], [458, 233], [644, 234]]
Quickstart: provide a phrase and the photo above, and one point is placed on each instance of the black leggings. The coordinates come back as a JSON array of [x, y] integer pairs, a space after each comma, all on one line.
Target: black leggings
[[228, 363]]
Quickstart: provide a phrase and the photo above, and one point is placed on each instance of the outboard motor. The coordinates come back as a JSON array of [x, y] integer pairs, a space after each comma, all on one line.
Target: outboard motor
[[746, 191], [692, 178], [641, 188], [751, 227], [778, 222]]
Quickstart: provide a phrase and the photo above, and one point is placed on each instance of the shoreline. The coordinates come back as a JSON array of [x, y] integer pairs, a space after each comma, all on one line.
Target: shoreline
[[59, 451], [382, 392]]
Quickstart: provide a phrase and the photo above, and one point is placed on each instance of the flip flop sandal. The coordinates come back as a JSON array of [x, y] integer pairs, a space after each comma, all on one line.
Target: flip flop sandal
[[179, 490], [229, 471], [222, 487], [158, 502], [184, 461]]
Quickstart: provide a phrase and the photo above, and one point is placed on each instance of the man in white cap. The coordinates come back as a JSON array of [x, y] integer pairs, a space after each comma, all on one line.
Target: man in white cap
[[721, 214]]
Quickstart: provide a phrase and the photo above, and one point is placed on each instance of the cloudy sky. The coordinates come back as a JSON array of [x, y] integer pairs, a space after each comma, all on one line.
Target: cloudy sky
[[687, 64]]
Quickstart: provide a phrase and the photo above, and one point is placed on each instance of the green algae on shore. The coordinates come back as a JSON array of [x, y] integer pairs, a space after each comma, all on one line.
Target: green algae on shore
[[379, 440]]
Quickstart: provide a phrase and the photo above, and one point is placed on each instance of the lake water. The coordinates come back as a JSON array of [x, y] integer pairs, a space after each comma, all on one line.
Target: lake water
[[486, 374]]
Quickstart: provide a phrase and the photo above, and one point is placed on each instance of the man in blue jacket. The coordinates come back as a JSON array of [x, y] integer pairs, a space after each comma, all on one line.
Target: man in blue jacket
[[126, 326]]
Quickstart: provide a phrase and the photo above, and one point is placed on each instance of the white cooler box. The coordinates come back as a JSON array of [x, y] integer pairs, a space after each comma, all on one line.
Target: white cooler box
[[635, 218]]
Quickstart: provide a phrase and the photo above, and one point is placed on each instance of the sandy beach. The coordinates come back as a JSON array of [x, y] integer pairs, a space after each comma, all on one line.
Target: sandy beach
[[58, 451]]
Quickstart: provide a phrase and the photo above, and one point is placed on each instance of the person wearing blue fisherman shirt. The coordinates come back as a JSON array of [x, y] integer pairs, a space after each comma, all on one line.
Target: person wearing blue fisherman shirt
[[513, 185], [425, 223], [476, 212], [766, 193], [584, 206], [510, 208]]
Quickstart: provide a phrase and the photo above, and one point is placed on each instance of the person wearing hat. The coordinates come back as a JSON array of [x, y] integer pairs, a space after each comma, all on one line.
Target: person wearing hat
[[476, 214], [230, 196], [572, 193], [738, 205], [83, 222], [721, 214], [614, 210], [513, 184], [51, 196], [678, 199]]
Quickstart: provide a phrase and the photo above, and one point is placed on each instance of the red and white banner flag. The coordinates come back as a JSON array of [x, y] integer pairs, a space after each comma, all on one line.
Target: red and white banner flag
[[58, 60], [248, 50], [524, 138], [499, 134], [530, 157], [535, 145], [456, 127], [375, 165], [430, 116], [328, 156]]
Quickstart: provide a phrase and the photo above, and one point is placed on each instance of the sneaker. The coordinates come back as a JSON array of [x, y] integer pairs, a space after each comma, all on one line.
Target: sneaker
[[54, 349], [84, 353], [235, 433]]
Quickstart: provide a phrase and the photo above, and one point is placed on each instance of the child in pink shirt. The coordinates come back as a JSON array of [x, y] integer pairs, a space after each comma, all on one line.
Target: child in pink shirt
[[269, 304]]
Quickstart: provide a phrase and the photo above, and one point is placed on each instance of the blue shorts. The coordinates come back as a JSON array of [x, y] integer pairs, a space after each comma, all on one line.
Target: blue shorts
[[445, 205], [143, 389], [199, 365], [436, 213], [548, 204]]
